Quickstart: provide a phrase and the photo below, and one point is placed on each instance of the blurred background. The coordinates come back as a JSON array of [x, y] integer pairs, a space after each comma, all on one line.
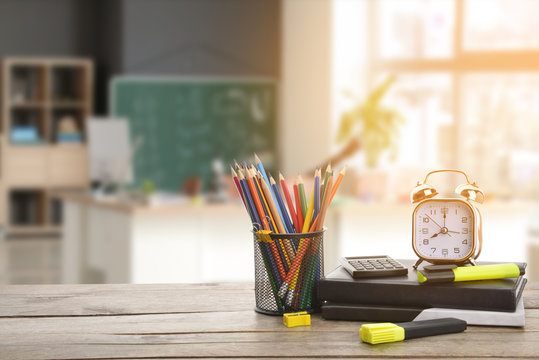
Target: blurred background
[[120, 118]]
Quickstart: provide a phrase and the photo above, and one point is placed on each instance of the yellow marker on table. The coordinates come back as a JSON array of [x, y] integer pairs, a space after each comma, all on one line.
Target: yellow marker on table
[[470, 273], [297, 319], [388, 332]]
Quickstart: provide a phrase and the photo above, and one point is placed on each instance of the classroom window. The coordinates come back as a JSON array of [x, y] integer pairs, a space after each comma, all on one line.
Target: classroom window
[[468, 74]]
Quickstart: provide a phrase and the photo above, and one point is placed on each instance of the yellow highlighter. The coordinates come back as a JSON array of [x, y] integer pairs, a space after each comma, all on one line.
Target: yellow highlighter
[[452, 273], [388, 332]]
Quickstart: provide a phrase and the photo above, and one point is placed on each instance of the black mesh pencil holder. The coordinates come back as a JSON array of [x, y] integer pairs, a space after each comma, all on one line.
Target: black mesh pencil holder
[[287, 270]]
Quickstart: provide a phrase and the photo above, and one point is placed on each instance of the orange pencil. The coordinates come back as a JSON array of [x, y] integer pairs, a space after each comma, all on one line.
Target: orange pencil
[[256, 200], [337, 183], [272, 207], [325, 205], [265, 206]]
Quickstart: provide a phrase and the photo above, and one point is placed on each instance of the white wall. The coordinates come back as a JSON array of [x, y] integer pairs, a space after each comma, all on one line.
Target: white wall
[[304, 127]]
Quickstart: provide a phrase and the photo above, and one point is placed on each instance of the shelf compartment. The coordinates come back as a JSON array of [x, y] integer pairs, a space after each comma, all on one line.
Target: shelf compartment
[[68, 84], [27, 126], [67, 126], [27, 84], [27, 207]]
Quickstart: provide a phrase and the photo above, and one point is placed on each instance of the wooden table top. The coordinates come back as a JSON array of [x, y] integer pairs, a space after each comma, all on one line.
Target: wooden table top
[[212, 321]]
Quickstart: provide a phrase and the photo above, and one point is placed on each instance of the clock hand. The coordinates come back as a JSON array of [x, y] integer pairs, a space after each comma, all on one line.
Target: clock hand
[[433, 221], [456, 232], [433, 236], [438, 225]]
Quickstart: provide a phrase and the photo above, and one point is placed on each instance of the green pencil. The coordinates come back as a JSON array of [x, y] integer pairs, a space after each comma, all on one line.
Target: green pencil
[[302, 198]]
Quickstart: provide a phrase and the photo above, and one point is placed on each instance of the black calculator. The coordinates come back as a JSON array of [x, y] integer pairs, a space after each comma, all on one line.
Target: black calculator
[[373, 266]]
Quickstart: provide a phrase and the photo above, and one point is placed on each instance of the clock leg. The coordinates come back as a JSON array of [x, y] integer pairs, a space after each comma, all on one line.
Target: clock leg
[[419, 261], [472, 262]]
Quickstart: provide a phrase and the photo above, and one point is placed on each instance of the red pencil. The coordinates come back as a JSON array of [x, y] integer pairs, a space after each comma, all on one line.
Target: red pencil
[[289, 203], [238, 186], [299, 212]]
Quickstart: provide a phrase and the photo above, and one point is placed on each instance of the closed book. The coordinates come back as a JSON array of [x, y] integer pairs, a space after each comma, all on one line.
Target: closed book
[[394, 313], [405, 290]]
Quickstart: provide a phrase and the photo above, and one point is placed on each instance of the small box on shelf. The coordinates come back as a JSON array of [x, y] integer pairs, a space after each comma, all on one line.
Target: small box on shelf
[[67, 126]]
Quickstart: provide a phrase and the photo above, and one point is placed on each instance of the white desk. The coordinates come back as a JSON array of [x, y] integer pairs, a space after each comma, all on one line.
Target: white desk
[[109, 242]]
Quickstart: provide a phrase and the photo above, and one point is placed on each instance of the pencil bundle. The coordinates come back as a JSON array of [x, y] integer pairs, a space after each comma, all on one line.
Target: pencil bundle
[[279, 215]]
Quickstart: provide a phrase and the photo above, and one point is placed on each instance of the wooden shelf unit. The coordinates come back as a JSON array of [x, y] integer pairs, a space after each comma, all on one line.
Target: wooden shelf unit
[[36, 94]]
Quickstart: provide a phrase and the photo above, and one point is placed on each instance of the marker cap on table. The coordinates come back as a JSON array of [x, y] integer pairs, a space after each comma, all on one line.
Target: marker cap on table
[[388, 332]]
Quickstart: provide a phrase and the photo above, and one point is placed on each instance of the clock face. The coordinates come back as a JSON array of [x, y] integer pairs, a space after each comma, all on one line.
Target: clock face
[[443, 229]]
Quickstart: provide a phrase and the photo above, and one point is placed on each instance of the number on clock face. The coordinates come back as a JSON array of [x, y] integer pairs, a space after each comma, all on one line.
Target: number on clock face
[[443, 229]]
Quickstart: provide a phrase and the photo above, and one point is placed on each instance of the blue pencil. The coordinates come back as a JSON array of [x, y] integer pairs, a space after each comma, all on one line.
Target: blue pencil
[[254, 213], [286, 218], [265, 176], [266, 210], [249, 199]]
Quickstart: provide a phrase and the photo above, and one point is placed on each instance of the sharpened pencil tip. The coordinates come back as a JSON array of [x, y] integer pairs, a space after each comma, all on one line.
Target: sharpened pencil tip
[[343, 171], [281, 177], [233, 172], [300, 179], [257, 159]]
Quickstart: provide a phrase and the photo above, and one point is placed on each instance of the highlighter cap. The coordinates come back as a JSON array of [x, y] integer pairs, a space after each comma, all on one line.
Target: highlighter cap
[[381, 333]]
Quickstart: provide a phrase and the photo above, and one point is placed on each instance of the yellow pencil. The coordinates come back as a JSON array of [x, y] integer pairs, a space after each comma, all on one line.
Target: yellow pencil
[[272, 207], [253, 172], [309, 214]]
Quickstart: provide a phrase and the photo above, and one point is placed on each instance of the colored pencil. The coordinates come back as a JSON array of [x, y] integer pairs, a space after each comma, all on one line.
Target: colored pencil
[[290, 203], [249, 199], [313, 257], [258, 182], [262, 171], [299, 212], [284, 212], [326, 177], [238, 186], [288, 252], [337, 183], [301, 188], [265, 223], [274, 285], [316, 193], [308, 217], [278, 221], [256, 200], [267, 213]]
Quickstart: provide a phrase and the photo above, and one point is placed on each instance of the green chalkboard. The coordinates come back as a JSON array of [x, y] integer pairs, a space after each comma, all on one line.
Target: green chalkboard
[[185, 123]]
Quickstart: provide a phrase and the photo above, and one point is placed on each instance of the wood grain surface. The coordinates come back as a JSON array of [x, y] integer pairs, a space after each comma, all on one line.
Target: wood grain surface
[[213, 321]]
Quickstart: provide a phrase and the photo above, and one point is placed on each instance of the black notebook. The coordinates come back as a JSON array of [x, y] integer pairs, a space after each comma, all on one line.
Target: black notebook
[[405, 290]]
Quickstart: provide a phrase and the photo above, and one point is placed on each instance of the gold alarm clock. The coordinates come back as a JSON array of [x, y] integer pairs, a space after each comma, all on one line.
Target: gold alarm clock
[[446, 230]]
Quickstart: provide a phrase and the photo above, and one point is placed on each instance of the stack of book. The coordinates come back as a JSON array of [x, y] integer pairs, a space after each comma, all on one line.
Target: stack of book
[[403, 298], [68, 131], [25, 135]]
